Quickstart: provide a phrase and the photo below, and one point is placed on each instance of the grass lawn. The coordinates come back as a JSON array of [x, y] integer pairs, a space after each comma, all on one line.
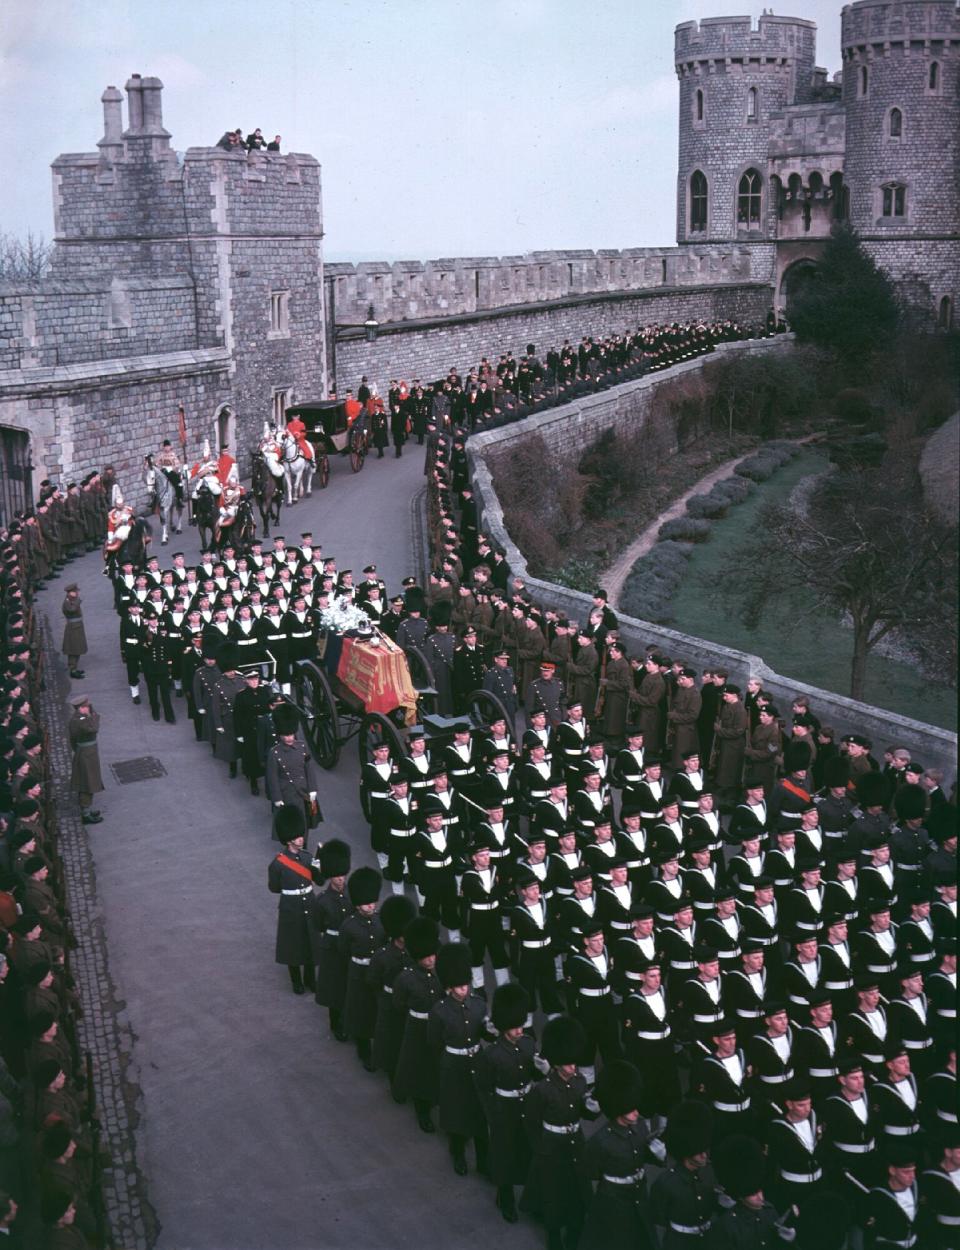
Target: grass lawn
[[816, 652]]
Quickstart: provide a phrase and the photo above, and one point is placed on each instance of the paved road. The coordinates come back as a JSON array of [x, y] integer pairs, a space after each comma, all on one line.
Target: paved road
[[258, 1130]]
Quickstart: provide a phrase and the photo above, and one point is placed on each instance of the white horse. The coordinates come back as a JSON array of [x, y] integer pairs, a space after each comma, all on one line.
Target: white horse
[[297, 469], [165, 494]]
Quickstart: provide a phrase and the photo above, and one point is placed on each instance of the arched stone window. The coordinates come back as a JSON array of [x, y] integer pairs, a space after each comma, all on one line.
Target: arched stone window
[[753, 104], [749, 197], [863, 81], [698, 202], [893, 200], [933, 77], [699, 106], [895, 124], [945, 313]]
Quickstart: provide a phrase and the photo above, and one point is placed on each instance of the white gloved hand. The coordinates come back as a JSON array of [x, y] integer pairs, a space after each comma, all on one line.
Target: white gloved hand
[[657, 1149], [787, 1234], [541, 1064]]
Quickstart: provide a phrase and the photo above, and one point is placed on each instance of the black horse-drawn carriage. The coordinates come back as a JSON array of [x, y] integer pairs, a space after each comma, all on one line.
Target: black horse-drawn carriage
[[331, 434]]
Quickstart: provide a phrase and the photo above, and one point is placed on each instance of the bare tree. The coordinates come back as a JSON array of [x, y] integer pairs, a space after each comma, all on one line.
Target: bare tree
[[24, 259], [865, 548]]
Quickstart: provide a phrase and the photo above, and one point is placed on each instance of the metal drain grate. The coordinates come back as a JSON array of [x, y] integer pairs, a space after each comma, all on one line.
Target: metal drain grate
[[140, 769]]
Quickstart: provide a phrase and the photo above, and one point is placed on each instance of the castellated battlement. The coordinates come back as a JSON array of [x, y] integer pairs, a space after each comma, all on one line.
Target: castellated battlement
[[737, 39], [413, 289], [872, 27]]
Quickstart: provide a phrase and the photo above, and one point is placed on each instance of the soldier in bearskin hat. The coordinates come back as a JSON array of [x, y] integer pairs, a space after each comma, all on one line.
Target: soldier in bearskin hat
[[361, 936], [616, 1159], [751, 1223], [329, 912], [415, 991], [556, 1190], [292, 874], [388, 962], [683, 1203], [505, 1073], [457, 1024]]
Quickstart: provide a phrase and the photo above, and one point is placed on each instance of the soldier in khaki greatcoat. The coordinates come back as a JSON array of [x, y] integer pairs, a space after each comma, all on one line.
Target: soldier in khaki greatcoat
[[85, 777], [74, 635]]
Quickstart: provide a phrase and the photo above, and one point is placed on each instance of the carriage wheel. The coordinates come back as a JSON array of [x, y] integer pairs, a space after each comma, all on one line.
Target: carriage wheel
[[323, 470], [318, 708], [485, 707], [358, 451], [421, 674]]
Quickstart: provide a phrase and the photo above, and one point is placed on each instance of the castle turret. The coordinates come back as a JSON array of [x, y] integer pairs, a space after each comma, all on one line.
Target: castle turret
[[732, 78], [900, 93]]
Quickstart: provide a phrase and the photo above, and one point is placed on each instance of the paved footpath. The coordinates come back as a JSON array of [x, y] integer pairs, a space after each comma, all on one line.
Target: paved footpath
[[234, 1119]]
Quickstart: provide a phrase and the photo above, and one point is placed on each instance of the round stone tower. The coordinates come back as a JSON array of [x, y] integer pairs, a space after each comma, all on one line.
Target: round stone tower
[[901, 70], [732, 78]]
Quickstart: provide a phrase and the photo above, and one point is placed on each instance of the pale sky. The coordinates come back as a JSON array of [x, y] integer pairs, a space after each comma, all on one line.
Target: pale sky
[[444, 127]]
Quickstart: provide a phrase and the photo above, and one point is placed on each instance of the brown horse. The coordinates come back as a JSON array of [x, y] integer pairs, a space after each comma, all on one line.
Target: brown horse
[[267, 492]]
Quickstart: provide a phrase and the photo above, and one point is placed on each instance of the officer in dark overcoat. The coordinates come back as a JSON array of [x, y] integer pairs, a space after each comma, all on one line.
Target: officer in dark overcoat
[[292, 874]]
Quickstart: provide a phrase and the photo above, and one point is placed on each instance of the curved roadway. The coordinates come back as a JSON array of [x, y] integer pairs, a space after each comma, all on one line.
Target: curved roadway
[[258, 1130]]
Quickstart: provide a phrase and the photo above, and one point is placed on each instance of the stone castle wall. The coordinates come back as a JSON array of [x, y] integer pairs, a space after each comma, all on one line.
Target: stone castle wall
[[427, 351]]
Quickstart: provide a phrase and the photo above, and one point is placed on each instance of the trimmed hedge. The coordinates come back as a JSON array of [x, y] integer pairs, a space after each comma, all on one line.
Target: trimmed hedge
[[686, 529], [707, 506], [732, 490], [649, 588]]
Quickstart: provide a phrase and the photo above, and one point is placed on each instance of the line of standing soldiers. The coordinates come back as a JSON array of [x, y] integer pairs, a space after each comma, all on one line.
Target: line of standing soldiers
[[49, 1160]]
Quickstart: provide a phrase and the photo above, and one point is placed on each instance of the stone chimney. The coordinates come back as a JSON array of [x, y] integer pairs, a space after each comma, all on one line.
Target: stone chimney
[[150, 92], [111, 145], [134, 105]]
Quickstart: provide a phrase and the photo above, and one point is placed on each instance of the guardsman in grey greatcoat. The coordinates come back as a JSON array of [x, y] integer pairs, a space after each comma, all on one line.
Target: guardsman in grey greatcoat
[[291, 769]]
